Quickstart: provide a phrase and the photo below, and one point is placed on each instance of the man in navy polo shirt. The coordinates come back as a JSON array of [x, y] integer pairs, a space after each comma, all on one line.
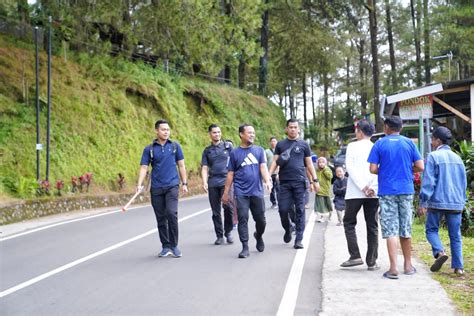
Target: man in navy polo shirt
[[214, 162], [247, 167], [164, 156]]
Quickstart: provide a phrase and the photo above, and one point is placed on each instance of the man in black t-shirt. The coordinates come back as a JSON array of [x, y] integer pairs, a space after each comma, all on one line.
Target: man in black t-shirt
[[214, 162], [295, 164]]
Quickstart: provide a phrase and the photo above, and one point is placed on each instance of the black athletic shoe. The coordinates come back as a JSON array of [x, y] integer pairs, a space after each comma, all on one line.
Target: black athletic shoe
[[260, 243], [229, 238], [298, 244], [440, 260], [287, 237], [244, 253]]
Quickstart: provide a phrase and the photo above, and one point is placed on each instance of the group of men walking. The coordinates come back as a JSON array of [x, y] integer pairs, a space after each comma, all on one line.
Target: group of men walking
[[232, 176], [380, 175]]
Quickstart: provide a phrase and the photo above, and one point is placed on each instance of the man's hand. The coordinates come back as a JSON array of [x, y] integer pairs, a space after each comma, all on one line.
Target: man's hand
[[268, 186], [184, 189], [204, 186], [422, 211], [225, 198], [316, 187]]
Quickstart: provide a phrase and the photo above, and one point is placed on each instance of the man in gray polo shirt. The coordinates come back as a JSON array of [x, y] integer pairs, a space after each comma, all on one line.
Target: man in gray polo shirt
[[214, 162]]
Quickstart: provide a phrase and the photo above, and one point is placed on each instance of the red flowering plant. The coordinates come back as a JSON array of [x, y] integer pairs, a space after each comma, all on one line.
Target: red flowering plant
[[74, 183], [416, 196], [44, 187], [59, 186]]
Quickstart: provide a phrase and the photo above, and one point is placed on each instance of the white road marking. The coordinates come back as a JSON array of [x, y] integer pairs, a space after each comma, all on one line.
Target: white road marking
[[89, 257], [65, 222], [288, 301], [85, 218]]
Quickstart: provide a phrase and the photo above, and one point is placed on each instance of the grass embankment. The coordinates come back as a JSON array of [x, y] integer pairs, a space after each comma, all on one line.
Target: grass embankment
[[103, 112], [459, 289]]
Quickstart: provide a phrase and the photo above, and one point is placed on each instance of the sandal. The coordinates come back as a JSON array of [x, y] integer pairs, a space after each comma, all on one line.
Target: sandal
[[391, 276], [411, 272]]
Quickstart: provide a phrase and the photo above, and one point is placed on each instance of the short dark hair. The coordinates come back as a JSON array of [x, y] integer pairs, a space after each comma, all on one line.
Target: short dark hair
[[211, 127], [366, 127], [159, 122], [443, 134], [291, 120], [272, 138], [242, 128], [394, 123]]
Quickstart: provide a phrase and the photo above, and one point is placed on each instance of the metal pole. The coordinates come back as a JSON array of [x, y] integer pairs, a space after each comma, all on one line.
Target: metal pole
[[421, 137], [38, 146], [49, 100], [428, 136]]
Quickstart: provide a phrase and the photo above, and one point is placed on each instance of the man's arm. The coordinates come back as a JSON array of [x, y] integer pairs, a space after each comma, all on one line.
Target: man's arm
[[228, 183], [419, 166], [311, 173], [374, 168], [274, 164], [265, 176], [182, 175], [141, 177], [205, 176]]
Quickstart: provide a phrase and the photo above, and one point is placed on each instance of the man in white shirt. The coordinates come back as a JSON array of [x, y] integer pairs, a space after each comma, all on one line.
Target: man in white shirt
[[361, 192]]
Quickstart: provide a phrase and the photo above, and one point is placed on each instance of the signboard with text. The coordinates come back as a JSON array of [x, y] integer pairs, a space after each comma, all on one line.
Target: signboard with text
[[412, 109]]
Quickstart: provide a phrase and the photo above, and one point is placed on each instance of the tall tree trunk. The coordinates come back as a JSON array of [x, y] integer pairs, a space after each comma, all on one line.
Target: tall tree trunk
[[226, 7], [375, 61], [348, 93], [393, 70], [416, 37], [291, 101], [241, 70], [286, 102], [362, 76], [312, 101], [305, 116], [326, 105], [426, 35], [127, 20], [263, 70]]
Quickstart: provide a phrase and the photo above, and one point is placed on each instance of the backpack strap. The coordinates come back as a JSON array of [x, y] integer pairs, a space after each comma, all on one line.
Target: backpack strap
[[173, 144]]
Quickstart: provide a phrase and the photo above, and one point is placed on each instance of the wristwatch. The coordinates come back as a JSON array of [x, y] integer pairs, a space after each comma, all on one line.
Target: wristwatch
[[184, 183], [315, 181]]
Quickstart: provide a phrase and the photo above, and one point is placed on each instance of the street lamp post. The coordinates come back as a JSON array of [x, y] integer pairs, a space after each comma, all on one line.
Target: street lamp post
[[449, 56]]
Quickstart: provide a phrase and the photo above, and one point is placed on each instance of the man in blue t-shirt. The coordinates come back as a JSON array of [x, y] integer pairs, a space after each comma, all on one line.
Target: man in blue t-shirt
[[294, 169], [214, 162], [394, 158], [247, 168], [164, 156]]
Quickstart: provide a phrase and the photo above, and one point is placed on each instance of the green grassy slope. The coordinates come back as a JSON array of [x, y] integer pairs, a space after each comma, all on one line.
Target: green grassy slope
[[103, 112]]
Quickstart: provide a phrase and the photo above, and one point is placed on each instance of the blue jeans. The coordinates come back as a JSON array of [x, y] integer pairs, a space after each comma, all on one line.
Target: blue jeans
[[453, 221]]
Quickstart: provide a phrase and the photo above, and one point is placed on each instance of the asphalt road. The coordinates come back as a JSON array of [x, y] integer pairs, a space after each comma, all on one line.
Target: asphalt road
[[108, 265]]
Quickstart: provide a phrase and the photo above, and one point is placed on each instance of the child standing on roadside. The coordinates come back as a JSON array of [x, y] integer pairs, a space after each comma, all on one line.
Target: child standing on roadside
[[339, 189], [322, 202]]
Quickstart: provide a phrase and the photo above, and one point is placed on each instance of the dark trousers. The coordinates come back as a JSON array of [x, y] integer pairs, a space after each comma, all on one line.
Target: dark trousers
[[292, 196], [165, 205], [256, 204], [371, 220], [215, 199], [275, 189]]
